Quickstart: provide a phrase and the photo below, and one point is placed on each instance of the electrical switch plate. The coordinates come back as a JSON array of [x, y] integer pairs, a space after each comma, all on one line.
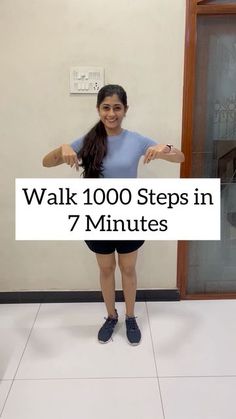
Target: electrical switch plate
[[86, 79]]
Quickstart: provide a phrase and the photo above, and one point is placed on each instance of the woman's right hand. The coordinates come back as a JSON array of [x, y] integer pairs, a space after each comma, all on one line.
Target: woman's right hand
[[69, 156]]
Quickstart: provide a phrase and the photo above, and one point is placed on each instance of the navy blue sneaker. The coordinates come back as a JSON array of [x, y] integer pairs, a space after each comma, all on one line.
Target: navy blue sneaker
[[132, 331], [106, 331]]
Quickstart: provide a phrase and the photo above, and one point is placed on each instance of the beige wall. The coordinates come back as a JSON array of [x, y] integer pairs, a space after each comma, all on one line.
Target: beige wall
[[140, 44]]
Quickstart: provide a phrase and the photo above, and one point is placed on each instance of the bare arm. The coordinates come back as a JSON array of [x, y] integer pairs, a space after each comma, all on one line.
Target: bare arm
[[63, 154], [164, 152]]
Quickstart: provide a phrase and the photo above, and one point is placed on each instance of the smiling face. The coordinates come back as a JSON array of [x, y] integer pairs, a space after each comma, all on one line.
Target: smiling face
[[111, 112]]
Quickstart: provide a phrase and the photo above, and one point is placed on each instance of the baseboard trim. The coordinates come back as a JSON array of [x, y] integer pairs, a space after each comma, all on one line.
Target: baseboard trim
[[22, 297]]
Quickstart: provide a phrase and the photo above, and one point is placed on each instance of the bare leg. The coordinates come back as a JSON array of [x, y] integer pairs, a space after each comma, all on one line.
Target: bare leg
[[127, 262], [107, 265]]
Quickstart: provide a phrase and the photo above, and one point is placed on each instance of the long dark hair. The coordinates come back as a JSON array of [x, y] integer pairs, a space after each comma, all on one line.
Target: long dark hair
[[94, 147]]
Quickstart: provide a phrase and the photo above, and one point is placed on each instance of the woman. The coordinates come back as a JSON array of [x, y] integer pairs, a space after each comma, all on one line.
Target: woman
[[109, 151]]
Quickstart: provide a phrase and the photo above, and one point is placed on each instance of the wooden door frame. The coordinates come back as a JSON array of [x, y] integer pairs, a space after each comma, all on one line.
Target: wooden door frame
[[193, 9]]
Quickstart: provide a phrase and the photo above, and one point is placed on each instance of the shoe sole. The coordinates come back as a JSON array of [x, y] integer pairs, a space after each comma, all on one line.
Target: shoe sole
[[130, 343], [134, 344], [101, 341]]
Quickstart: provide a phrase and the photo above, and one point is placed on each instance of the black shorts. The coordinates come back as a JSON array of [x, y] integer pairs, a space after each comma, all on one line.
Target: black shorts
[[106, 247]]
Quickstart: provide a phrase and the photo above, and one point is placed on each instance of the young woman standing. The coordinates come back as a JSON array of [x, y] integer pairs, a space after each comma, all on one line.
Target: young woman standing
[[110, 151]]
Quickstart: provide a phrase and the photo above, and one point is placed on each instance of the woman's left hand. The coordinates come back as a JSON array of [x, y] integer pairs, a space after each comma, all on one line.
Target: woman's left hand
[[155, 152]]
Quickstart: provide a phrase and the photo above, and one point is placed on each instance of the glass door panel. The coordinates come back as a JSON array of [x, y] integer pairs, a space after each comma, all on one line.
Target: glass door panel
[[212, 264], [216, 2]]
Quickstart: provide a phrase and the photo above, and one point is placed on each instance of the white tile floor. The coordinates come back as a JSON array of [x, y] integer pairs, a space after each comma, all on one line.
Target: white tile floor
[[51, 365]]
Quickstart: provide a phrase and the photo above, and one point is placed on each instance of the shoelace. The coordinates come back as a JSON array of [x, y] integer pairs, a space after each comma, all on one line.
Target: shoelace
[[109, 321], [132, 323]]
